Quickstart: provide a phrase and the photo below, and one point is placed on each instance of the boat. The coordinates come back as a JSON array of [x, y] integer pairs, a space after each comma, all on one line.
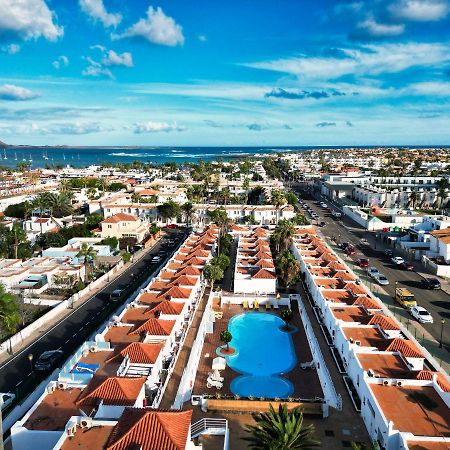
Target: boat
[[30, 160], [15, 156], [5, 157], [44, 156]]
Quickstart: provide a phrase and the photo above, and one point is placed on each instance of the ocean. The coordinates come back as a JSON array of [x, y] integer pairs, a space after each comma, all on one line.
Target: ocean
[[86, 156]]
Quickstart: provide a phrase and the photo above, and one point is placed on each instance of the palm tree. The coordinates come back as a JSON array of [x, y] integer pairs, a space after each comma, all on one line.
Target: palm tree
[[246, 187], [281, 430], [278, 200], [9, 311], [288, 266], [59, 205], [283, 235], [88, 254], [188, 211], [18, 236]]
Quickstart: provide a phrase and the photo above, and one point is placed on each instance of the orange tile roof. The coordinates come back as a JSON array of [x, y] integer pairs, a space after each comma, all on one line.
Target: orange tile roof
[[155, 327], [168, 307], [263, 273], [120, 391], [263, 255], [367, 302], [148, 429], [189, 271], [405, 347], [265, 263], [195, 261], [175, 292], [120, 217], [385, 322], [183, 280], [441, 380], [141, 353]]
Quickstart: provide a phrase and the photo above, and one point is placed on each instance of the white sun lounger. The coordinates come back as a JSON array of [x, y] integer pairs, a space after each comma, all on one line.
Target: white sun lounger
[[213, 383]]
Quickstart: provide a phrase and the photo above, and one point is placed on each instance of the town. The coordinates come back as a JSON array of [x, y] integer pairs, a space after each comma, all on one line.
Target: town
[[202, 305]]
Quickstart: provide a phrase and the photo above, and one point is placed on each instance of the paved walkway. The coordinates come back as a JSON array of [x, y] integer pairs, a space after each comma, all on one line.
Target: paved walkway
[[183, 357], [5, 356]]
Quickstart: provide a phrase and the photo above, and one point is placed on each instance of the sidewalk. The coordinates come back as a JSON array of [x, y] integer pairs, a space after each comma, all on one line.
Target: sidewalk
[[5, 357]]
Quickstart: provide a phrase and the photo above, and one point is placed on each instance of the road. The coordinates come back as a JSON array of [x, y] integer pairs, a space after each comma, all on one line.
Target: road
[[16, 375], [437, 302]]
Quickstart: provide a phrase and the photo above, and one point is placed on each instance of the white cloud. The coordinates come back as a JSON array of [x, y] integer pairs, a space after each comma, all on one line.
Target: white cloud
[[61, 61], [202, 38], [429, 88], [156, 28], [156, 127], [96, 69], [75, 128], [96, 10], [117, 59], [370, 59], [12, 92], [11, 49], [377, 29], [420, 10], [29, 19]]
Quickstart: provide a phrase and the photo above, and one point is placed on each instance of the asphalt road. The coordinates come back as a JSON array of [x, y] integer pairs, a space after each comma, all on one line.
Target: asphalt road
[[437, 302], [16, 375]]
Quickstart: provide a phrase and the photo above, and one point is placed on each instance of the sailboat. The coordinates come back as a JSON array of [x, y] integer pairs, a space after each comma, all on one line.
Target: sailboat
[[44, 156], [15, 156], [5, 157], [30, 160], [64, 157]]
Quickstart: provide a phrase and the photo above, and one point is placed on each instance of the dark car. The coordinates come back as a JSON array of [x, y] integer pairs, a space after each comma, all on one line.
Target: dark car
[[407, 266], [322, 224], [48, 360], [363, 262], [430, 283], [172, 226], [344, 245], [350, 250]]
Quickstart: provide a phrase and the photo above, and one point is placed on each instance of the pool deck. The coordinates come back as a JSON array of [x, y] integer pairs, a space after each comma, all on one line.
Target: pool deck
[[305, 381]]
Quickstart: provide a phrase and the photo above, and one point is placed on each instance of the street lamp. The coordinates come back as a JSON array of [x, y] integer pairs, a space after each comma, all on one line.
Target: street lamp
[[30, 358], [442, 329]]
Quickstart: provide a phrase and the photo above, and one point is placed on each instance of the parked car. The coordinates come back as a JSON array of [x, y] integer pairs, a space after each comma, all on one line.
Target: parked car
[[381, 279], [407, 266], [397, 260], [322, 224], [48, 360], [172, 226], [372, 271], [421, 314], [350, 250], [388, 252], [344, 245], [430, 283], [6, 399], [116, 295], [363, 262], [156, 259]]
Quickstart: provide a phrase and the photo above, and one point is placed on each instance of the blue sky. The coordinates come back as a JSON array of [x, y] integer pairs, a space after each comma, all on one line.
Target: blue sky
[[240, 72]]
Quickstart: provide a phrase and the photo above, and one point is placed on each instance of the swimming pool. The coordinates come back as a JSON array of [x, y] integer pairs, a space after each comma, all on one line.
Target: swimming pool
[[263, 353]]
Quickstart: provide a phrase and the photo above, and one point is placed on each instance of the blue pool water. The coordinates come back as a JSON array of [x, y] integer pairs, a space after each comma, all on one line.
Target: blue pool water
[[263, 353]]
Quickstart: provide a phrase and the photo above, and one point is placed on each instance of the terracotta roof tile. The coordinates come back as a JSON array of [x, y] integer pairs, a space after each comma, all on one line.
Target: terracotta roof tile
[[385, 322], [183, 280], [405, 347], [141, 353], [120, 217], [263, 273], [120, 391], [150, 430], [441, 380], [168, 307], [175, 292], [265, 263], [155, 327], [192, 271]]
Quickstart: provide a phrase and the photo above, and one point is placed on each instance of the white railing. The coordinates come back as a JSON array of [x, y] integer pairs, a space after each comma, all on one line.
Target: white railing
[[332, 398], [211, 426]]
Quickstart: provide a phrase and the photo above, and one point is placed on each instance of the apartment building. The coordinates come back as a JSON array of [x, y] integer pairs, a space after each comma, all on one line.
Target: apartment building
[[108, 392], [403, 400], [254, 271], [123, 225]]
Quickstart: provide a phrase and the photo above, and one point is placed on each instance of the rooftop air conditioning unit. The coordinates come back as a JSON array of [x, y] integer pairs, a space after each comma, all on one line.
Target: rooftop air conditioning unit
[[358, 342], [86, 422], [71, 431], [93, 348], [399, 383], [370, 373], [62, 385], [385, 382], [394, 383]]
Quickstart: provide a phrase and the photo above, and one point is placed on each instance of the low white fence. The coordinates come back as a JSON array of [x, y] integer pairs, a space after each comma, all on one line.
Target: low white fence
[[332, 398], [188, 378], [43, 321]]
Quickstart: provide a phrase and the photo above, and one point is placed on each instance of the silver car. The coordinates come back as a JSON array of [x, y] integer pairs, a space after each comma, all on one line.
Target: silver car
[[421, 314], [381, 279]]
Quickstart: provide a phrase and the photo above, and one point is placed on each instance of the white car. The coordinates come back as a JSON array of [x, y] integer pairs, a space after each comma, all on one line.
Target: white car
[[397, 260], [381, 279], [372, 272], [421, 314], [6, 399]]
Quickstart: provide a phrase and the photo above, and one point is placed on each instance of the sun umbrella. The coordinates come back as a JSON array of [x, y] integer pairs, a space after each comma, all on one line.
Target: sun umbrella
[[219, 363]]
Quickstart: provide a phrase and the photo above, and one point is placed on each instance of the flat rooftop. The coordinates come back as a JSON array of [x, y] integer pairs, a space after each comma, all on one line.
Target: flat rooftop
[[88, 439], [350, 314], [367, 336], [54, 411], [385, 365], [101, 358], [120, 335], [415, 409]]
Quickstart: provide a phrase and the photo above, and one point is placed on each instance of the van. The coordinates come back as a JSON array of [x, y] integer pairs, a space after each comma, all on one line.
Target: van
[[405, 298]]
